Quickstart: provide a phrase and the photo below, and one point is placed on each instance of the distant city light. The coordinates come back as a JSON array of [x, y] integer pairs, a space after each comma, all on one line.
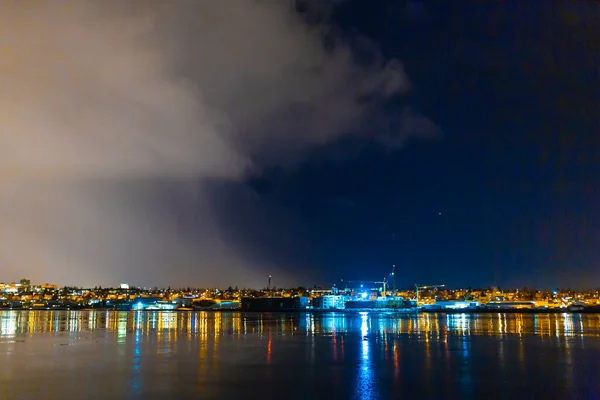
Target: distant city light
[[422, 298]]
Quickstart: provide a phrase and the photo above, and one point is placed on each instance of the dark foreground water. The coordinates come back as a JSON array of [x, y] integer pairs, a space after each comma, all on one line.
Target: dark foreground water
[[170, 355]]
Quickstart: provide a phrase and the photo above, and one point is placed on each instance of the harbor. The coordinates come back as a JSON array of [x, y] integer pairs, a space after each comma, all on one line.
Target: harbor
[[347, 296]]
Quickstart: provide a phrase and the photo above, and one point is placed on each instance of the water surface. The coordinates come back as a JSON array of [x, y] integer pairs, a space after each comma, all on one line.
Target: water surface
[[164, 355]]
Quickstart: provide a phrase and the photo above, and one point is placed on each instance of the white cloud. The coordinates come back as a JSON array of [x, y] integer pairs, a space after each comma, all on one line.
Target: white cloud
[[123, 93]]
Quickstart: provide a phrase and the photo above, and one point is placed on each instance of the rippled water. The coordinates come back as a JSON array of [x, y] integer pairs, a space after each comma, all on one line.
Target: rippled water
[[164, 355]]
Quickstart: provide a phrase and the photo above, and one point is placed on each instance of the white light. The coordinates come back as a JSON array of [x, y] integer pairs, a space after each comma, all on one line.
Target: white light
[[458, 306], [364, 295]]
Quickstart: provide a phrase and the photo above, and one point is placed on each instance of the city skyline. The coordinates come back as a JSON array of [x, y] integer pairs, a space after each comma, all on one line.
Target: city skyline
[[356, 296]]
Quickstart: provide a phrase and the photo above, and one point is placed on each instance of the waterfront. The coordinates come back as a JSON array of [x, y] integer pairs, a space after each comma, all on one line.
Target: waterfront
[[109, 354]]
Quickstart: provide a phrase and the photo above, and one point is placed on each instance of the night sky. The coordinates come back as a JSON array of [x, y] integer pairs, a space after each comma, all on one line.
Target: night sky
[[458, 140], [510, 192]]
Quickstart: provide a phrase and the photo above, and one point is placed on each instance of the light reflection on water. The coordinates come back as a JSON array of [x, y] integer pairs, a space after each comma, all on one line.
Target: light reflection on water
[[174, 324], [365, 385], [359, 355]]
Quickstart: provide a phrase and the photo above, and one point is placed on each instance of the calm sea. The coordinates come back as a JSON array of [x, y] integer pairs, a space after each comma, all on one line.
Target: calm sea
[[204, 355]]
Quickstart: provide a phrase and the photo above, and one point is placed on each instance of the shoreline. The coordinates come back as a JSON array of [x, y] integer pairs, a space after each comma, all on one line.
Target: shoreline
[[591, 310]]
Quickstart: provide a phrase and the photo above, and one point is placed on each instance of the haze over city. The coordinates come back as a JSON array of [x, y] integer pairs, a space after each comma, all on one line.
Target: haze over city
[[213, 143]]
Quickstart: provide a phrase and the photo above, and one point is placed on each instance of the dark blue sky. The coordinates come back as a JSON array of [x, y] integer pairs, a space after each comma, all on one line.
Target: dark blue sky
[[509, 194]]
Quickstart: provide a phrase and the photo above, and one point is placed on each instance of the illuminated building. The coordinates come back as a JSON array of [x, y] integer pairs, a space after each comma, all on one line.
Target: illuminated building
[[330, 302], [152, 303], [511, 304], [49, 286], [452, 305]]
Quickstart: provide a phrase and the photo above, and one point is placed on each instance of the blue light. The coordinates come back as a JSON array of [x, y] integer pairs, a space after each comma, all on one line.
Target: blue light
[[364, 295], [366, 383]]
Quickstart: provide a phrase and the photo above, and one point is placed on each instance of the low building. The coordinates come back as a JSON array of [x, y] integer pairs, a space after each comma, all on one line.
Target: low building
[[452, 305], [152, 303], [336, 302], [511, 304]]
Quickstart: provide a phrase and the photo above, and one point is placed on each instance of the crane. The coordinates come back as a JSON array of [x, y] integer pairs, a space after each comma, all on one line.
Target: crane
[[384, 283], [417, 287]]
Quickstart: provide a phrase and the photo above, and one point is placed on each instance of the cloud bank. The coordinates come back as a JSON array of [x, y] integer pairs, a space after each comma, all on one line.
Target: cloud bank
[[113, 116]]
